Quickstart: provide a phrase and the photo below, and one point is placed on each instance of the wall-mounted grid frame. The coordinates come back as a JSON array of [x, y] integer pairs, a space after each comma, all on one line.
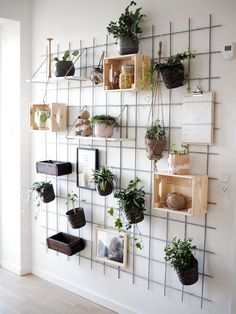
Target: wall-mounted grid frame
[[150, 215]]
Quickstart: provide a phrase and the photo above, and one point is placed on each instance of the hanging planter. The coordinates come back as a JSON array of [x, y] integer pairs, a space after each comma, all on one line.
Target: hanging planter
[[104, 180], [44, 192], [96, 75], [76, 215], [155, 140], [173, 76], [134, 215], [126, 30], [180, 255]]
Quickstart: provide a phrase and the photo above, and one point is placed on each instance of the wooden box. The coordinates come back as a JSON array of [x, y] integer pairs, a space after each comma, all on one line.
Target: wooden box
[[54, 167], [141, 64], [193, 187], [57, 120], [65, 243]]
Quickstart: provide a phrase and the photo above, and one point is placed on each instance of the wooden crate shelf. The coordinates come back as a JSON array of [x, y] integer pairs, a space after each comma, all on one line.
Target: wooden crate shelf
[[193, 187], [57, 120], [141, 64]]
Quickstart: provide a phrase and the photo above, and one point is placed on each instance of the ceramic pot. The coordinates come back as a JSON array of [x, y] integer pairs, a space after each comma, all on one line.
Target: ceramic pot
[[62, 67], [108, 190], [48, 194], [103, 130], [134, 216], [127, 45]]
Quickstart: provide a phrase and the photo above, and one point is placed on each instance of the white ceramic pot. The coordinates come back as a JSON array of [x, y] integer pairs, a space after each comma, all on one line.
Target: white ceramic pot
[[103, 130], [179, 164]]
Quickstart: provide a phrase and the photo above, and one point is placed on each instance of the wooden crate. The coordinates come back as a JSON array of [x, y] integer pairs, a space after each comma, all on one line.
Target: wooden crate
[[141, 64], [193, 187], [58, 116]]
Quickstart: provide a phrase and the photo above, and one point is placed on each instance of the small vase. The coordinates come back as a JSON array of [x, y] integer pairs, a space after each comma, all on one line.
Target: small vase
[[64, 68], [127, 45], [103, 130], [76, 217]]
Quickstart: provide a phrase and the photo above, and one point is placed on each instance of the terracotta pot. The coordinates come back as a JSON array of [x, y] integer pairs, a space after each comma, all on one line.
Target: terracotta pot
[[189, 276], [179, 164], [154, 148], [77, 218], [103, 130]]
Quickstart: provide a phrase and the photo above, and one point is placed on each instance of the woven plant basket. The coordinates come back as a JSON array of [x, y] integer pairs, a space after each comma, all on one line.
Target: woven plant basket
[[189, 276], [48, 194], [134, 216], [173, 76], [77, 220], [108, 190], [154, 148]]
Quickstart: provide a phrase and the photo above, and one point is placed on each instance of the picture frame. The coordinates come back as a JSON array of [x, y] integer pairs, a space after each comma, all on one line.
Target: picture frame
[[86, 161], [111, 247]]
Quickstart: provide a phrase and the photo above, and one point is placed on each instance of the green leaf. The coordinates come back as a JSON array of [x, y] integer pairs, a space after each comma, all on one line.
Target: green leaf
[[111, 211]]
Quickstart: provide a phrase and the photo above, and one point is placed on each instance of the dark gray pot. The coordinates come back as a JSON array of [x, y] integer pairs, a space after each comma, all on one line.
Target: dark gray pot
[[127, 45], [64, 68], [77, 220]]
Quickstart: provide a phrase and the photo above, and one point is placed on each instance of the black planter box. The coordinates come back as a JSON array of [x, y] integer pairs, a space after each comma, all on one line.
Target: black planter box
[[54, 167], [65, 243]]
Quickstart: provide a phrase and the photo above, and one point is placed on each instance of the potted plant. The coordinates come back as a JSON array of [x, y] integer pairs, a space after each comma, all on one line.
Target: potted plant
[[65, 67], [126, 30], [44, 192], [172, 69], [155, 140], [75, 215], [132, 201], [43, 115], [104, 180], [178, 160], [180, 255], [104, 125]]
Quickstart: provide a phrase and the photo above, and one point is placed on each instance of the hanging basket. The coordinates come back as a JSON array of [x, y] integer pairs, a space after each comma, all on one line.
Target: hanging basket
[[189, 276], [173, 76], [48, 194], [154, 148], [134, 216], [108, 189], [77, 218]]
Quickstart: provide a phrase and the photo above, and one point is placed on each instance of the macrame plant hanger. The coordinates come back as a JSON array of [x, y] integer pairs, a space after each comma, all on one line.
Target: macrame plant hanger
[[157, 100]]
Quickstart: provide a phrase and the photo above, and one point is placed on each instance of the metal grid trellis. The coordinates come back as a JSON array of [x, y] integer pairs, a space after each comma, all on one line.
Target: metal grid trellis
[[149, 216]]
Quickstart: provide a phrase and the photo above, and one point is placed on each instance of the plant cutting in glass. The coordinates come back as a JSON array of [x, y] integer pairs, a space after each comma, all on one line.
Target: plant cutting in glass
[[131, 203]]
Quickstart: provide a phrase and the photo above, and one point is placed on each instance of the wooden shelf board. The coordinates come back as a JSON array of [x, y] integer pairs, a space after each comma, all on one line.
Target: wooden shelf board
[[173, 211], [109, 139]]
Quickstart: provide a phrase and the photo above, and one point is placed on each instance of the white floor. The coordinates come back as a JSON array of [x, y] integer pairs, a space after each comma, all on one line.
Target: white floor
[[32, 295]]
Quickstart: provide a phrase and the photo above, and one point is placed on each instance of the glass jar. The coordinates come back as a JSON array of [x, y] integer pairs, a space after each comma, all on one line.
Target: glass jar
[[126, 78]]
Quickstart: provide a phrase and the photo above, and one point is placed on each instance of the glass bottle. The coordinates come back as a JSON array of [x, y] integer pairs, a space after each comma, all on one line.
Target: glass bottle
[[126, 78]]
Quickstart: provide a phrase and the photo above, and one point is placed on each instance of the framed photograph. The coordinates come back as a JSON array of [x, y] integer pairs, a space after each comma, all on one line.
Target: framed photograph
[[87, 160], [111, 247]]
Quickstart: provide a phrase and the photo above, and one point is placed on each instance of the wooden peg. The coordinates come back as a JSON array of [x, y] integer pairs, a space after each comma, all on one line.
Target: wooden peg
[[49, 56]]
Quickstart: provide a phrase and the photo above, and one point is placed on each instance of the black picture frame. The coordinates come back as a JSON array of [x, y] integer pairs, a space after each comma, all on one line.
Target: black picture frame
[[86, 161]]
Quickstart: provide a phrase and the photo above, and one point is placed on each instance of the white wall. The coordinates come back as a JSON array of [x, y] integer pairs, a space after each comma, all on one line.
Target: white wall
[[74, 20], [15, 152]]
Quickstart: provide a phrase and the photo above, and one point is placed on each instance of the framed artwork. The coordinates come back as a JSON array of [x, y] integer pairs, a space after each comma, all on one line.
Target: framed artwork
[[111, 247], [87, 160]]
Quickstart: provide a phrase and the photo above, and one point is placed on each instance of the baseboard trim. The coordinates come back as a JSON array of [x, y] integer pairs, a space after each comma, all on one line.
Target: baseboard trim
[[14, 268], [87, 294]]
